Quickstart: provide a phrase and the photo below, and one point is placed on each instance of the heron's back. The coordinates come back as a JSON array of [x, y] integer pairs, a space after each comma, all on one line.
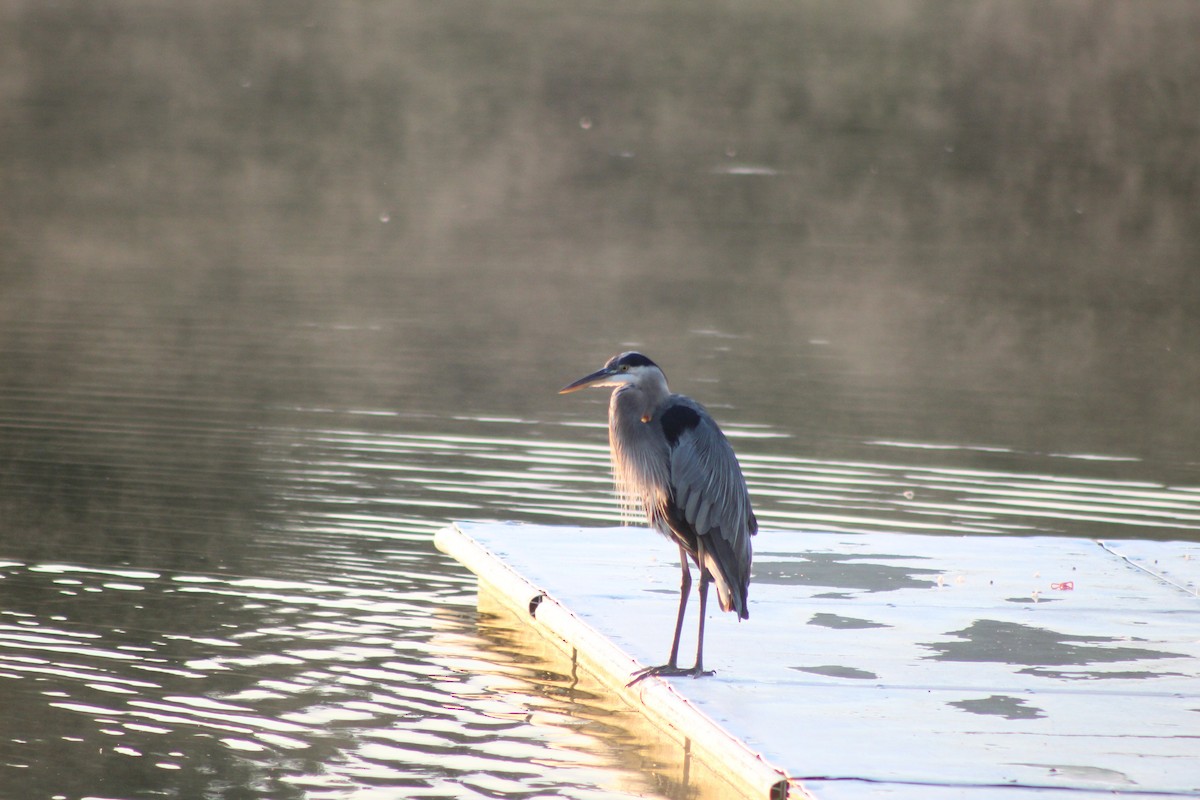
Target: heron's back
[[675, 462]]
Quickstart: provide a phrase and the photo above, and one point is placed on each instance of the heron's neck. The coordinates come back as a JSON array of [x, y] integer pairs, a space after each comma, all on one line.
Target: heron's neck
[[638, 402], [638, 448]]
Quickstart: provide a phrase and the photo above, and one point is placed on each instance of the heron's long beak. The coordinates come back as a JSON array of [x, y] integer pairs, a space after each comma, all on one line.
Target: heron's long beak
[[594, 379]]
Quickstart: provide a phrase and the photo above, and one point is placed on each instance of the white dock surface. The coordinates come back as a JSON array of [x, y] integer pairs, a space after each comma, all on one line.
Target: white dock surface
[[897, 665]]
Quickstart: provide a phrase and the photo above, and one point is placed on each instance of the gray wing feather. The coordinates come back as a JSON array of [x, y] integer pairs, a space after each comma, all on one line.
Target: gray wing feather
[[706, 478], [691, 503], [707, 484]]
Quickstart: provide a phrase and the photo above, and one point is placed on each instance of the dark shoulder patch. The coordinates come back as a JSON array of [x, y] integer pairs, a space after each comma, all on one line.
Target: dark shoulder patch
[[678, 420]]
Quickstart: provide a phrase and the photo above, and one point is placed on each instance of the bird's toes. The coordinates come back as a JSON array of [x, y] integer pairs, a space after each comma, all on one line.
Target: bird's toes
[[669, 671], [662, 669]]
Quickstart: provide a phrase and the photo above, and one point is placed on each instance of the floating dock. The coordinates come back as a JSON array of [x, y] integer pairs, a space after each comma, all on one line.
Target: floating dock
[[888, 665]]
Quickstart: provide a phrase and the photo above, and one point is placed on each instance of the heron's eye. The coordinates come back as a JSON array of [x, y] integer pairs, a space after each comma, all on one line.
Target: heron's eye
[[624, 368]]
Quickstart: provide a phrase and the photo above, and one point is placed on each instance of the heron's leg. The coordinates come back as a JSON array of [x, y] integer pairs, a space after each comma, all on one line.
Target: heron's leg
[[685, 588], [671, 667], [705, 579]]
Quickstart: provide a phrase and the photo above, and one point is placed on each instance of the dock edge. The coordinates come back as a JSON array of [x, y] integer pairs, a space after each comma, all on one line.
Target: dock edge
[[664, 707]]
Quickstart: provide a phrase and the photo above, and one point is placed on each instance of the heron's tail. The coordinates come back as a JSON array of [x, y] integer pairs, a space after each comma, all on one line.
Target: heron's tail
[[731, 596]]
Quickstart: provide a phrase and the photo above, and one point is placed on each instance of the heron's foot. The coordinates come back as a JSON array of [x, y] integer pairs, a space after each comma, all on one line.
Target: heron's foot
[[669, 671]]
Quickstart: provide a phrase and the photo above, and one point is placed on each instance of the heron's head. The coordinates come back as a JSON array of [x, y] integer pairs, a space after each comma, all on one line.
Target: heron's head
[[627, 368]]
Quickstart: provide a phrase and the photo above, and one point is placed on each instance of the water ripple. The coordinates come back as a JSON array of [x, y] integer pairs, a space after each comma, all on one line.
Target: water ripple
[[336, 636], [558, 478]]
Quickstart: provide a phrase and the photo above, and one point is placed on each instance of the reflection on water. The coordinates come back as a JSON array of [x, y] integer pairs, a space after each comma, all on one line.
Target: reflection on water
[[373, 673], [337, 651], [545, 474], [283, 291]]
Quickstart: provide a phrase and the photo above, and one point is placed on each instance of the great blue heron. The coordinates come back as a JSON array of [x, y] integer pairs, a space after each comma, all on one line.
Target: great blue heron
[[670, 457]]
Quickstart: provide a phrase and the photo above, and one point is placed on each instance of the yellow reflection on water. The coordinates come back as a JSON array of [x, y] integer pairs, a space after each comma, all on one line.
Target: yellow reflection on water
[[651, 759]]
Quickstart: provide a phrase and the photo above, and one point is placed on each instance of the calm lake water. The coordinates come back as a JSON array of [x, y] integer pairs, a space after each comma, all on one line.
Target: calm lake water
[[284, 289]]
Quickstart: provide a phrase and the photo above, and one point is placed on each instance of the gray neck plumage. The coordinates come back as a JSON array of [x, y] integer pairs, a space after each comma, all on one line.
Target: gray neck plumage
[[639, 457]]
